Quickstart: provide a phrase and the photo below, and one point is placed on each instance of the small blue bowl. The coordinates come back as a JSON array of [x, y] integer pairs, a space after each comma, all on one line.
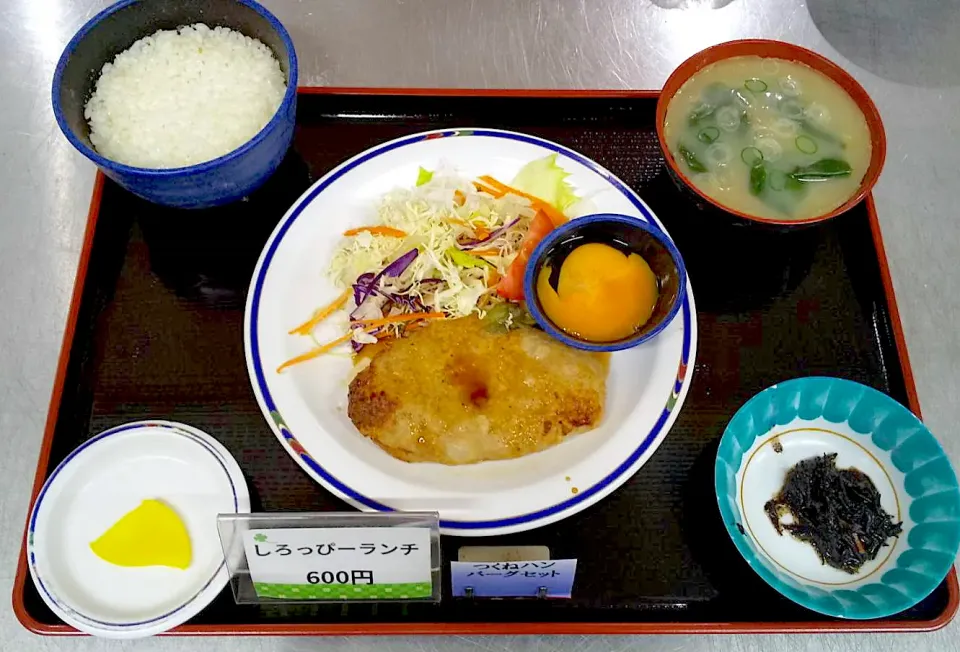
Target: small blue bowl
[[212, 183], [867, 430], [628, 234]]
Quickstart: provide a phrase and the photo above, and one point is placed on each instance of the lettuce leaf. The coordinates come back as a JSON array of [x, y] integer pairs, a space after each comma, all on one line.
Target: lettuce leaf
[[544, 179], [424, 176]]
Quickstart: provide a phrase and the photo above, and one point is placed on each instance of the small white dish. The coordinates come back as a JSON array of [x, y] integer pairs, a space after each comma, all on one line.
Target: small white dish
[[100, 482]]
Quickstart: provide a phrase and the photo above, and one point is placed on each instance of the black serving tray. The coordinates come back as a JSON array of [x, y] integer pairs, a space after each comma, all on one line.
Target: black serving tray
[[155, 331]]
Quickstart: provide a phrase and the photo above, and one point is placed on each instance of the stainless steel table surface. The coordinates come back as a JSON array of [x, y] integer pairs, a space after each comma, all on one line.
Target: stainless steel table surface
[[906, 54]]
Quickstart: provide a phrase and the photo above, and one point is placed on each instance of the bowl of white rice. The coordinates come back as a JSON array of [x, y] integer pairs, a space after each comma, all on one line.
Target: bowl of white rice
[[188, 104]]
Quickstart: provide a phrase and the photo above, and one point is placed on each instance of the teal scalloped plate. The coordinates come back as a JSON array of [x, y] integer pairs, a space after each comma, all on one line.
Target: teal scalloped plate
[[870, 431]]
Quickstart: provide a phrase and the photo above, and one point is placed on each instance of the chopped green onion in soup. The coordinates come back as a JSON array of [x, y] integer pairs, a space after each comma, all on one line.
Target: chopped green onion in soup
[[751, 156], [806, 144]]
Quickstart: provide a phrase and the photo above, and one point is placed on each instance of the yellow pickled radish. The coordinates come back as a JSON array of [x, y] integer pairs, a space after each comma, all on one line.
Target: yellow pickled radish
[[152, 534]]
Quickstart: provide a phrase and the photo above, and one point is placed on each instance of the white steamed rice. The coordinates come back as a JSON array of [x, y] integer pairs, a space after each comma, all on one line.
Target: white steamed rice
[[182, 97]]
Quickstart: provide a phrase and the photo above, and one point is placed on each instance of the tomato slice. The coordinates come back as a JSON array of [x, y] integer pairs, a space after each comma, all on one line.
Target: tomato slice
[[511, 285]]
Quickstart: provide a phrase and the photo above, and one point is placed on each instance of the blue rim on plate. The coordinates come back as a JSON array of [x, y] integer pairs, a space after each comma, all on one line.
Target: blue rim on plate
[[924, 480], [530, 283], [101, 161], [269, 407], [31, 529]]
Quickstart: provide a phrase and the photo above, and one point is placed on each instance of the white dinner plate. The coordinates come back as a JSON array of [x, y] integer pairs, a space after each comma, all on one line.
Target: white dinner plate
[[306, 405], [100, 482]]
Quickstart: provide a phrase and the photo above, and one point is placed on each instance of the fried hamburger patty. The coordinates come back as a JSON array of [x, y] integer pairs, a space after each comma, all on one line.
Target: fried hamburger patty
[[456, 393]]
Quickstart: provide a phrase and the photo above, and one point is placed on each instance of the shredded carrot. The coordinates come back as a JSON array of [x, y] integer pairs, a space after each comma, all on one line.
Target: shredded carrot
[[490, 191], [459, 198], [400, 332], [493, 279], [397, 319], [315, 353], [478, 229], [555, 216], [485, 252], [414, 325], [321, 314], [410, 320], [377, 230]]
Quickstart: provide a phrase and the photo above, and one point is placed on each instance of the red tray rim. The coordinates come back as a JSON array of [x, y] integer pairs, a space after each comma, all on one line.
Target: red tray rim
[[467, 629]]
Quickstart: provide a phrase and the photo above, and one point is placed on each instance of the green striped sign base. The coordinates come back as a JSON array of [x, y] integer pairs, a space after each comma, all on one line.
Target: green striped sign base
[[344, 591]]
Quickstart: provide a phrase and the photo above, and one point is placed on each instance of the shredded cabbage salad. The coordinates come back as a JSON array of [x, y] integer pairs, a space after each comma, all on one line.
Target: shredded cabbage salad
[[449, 246]]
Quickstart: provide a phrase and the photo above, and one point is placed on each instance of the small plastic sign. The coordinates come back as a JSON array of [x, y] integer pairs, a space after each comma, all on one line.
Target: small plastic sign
[[365, 563], [514, 579], [332, 557]]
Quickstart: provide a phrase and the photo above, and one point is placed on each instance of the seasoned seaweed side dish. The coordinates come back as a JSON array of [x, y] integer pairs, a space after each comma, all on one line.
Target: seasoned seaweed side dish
[[837, 511]]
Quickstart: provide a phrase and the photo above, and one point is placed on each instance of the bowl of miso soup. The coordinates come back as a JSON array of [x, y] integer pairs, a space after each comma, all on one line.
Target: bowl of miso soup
[[770, 132]]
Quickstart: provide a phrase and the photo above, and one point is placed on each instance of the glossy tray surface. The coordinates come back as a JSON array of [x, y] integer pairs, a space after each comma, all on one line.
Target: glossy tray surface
[[155, 332]]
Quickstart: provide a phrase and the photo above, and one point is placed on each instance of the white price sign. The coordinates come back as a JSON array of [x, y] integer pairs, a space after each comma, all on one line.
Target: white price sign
[[364, 563]]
